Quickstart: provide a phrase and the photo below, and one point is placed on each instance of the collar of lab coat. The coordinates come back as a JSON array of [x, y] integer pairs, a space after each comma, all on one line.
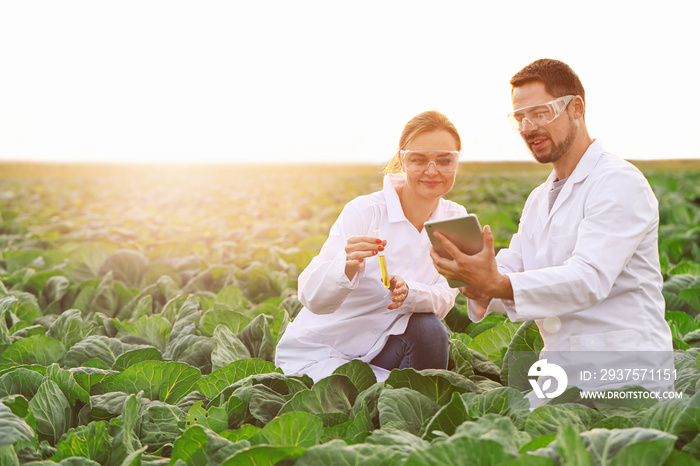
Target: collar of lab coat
[[583, 169], [392, 182]]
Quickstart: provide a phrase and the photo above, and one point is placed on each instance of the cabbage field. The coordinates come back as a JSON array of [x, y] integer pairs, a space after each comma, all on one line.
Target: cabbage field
[[140, 307]]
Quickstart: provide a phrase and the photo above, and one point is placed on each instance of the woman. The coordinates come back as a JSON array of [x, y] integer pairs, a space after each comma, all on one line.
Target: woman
[[348, 313]]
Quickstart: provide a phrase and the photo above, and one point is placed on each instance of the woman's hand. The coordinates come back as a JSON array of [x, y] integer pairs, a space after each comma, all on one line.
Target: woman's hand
[[357, 249], [399, 291]]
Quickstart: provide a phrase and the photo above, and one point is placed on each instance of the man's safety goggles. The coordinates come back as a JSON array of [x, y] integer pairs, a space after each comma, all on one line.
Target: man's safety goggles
[[540, 114]]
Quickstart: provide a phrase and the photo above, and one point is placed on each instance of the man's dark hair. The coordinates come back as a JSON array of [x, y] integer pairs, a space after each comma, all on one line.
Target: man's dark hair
[[558, 77]]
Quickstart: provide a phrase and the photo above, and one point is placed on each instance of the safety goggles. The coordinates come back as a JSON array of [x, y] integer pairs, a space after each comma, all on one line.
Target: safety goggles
[[445, 161], [540, 114]]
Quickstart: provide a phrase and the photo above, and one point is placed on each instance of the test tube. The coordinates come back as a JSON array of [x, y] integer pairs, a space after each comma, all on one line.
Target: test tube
[[382, 262]]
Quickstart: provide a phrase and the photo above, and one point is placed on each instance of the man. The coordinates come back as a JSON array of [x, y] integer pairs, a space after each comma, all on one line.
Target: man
[[584, 264]]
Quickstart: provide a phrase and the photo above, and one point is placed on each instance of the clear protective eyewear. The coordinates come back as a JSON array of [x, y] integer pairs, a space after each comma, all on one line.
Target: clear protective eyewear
[[540, 114], [445, 161]]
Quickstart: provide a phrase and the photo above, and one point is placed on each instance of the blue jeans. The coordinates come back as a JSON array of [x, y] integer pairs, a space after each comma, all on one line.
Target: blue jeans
[[424, 345]]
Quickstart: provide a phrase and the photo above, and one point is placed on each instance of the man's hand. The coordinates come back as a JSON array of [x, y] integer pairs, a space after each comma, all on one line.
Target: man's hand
[[479, 272], [480, 298], [473, 293]]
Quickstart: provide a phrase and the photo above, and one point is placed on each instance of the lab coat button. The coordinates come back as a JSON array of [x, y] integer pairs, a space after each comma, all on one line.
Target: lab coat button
[[373, 331]]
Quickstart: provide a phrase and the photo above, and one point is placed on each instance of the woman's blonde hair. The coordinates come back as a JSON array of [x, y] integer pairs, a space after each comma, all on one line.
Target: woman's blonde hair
[[431, 120]]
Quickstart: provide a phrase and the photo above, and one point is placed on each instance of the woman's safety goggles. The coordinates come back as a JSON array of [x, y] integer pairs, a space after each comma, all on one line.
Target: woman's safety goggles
[[445, 161], [540, 114]]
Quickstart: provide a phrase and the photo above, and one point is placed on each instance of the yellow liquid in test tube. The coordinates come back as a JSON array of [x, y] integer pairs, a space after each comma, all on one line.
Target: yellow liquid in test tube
[[385, 274], [382, 262]]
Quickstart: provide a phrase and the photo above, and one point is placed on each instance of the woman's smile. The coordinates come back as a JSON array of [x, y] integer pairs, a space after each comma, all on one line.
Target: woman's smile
[[431, 183]]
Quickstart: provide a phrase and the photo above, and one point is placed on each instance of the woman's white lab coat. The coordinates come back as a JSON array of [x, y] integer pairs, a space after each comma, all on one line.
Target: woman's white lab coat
[[344, 320]]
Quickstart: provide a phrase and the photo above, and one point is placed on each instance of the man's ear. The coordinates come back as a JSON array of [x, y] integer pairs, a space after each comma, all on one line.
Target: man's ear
[[579, 107]]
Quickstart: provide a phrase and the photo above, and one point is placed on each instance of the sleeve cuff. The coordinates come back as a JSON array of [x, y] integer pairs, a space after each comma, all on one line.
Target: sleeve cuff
[[508, 305], [410, 297], [477, 312], [337, 269]]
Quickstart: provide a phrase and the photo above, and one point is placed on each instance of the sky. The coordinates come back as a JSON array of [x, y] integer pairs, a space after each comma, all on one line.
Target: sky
[[329, 81]]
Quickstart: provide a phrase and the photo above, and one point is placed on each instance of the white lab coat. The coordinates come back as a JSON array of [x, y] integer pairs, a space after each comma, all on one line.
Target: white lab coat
[[588, 271], [344, 320]]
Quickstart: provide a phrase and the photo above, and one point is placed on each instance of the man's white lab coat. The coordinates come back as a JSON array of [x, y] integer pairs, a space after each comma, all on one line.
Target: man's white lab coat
[[588, 271]]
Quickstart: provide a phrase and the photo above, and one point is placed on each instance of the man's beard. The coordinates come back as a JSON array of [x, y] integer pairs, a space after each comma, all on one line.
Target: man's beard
[[558, 150]]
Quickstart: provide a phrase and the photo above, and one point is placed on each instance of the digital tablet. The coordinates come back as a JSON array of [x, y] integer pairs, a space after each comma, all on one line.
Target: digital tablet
[[463, 231]]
